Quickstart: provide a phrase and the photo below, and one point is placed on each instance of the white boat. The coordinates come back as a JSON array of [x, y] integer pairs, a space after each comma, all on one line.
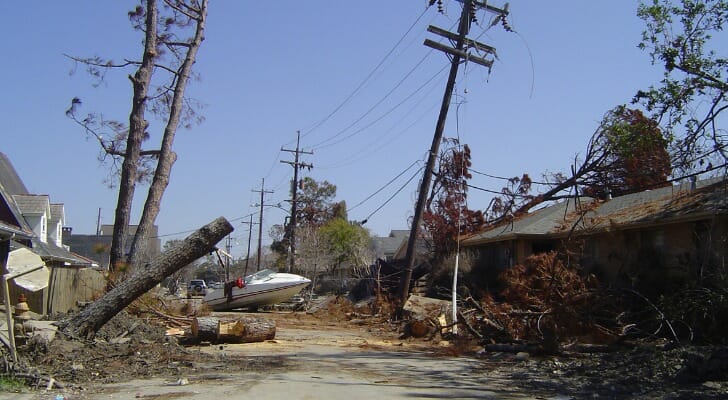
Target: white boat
[[262, 288]]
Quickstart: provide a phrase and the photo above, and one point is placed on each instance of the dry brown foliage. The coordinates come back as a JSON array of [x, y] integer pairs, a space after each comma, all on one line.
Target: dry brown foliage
[[544, 300]]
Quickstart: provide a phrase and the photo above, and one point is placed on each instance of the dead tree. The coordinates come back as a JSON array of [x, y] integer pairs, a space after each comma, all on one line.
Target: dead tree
[[173, 33], [87, 322]]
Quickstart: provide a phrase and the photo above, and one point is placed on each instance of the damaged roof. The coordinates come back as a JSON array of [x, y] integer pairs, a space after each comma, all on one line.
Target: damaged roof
[[650, 207]]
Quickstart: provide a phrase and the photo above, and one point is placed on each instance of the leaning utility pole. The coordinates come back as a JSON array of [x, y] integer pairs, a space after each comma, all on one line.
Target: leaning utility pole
[[294, 201], [457, 54], [262, 192]]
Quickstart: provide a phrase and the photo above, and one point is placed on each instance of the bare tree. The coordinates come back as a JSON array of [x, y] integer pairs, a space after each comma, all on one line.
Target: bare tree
[[173, 32]]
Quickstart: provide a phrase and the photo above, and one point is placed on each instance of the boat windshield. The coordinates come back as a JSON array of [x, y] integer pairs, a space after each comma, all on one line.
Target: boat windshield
[[262, 275]]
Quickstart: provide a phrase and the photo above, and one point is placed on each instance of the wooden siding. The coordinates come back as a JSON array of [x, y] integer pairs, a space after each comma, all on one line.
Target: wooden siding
[[67, 287], [70, 286]]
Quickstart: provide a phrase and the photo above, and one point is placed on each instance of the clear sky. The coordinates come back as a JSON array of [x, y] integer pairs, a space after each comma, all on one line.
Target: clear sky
[[269, 69]]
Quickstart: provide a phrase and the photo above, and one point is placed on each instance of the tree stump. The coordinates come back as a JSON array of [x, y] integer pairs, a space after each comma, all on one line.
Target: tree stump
[[241, 329]]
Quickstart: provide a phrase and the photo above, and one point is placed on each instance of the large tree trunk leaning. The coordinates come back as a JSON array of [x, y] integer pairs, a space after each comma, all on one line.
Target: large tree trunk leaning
[[243, 329], [87, 322], [137, 127]]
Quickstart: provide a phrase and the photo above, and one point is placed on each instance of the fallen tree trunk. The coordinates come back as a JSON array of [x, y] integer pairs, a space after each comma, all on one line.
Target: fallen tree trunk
[[239, 330], [89, 320]]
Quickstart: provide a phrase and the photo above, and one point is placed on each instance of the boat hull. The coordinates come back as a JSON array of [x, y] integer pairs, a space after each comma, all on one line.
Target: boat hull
[[255, 294]]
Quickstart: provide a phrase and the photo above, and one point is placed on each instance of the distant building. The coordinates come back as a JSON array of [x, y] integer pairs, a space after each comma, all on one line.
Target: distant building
[[385, 248], [96, 247]]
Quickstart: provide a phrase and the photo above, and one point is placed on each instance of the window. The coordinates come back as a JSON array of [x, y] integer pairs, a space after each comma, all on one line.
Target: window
[[43, 227]]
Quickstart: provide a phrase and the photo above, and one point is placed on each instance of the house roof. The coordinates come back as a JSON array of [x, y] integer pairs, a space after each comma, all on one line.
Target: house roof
[[387, 246], [12, 222], [32, 204], [8, 231], [92, 247], [651, 207], [9, 177], [57, 214], [51, 252]]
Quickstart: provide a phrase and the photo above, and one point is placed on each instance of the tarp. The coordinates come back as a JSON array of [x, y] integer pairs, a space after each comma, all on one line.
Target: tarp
[[23, 259]]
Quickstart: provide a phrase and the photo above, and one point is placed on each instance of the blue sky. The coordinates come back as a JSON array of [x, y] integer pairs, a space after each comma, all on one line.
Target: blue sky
[[269, 69]]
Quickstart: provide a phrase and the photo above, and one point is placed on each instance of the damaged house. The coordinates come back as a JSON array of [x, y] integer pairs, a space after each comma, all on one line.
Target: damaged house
[[658, 235]]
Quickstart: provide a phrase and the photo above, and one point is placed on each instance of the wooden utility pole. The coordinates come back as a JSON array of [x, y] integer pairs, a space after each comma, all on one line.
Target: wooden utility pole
[[250, 237], [98, 223], [262, 192], [457, 54], [229, 250], [291, 231]]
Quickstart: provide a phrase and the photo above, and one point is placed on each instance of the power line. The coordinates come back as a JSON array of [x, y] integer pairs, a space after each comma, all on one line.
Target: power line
[[367, 78], [383, 187], [506, 179], [392, 196], [369, 149], [324, 142], [360, 155]]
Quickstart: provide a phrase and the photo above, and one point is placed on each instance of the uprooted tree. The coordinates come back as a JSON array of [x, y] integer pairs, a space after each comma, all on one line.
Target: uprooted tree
[[88, 321], [173, 32]]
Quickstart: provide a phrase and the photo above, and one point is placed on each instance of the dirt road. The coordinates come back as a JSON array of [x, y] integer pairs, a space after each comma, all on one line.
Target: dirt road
[[329, 357], [316, 360]]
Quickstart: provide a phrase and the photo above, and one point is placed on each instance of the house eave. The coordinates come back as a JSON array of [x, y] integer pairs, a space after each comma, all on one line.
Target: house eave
[[598, 230]]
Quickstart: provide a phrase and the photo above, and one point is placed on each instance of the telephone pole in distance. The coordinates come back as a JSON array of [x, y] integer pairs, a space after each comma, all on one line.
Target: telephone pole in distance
[[262, 192], [294, 198]]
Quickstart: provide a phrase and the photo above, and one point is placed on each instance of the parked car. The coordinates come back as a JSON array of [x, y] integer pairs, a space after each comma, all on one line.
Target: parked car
[[196, 287]]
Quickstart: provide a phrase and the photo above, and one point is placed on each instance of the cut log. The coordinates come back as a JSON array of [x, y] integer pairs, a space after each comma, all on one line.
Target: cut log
[[427, 307], [241, 329], [205, 328], [89, 320]]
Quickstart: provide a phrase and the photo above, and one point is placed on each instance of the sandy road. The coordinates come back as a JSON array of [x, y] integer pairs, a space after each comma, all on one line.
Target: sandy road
[[323, 360]]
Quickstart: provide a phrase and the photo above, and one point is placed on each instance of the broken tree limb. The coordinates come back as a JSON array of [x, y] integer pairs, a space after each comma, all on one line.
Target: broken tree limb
[[89, 320], [241, 329], [470, 328]]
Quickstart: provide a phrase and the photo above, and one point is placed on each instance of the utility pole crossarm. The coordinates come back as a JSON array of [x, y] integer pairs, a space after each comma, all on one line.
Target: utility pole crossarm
[[468, 42], [460, 53]]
